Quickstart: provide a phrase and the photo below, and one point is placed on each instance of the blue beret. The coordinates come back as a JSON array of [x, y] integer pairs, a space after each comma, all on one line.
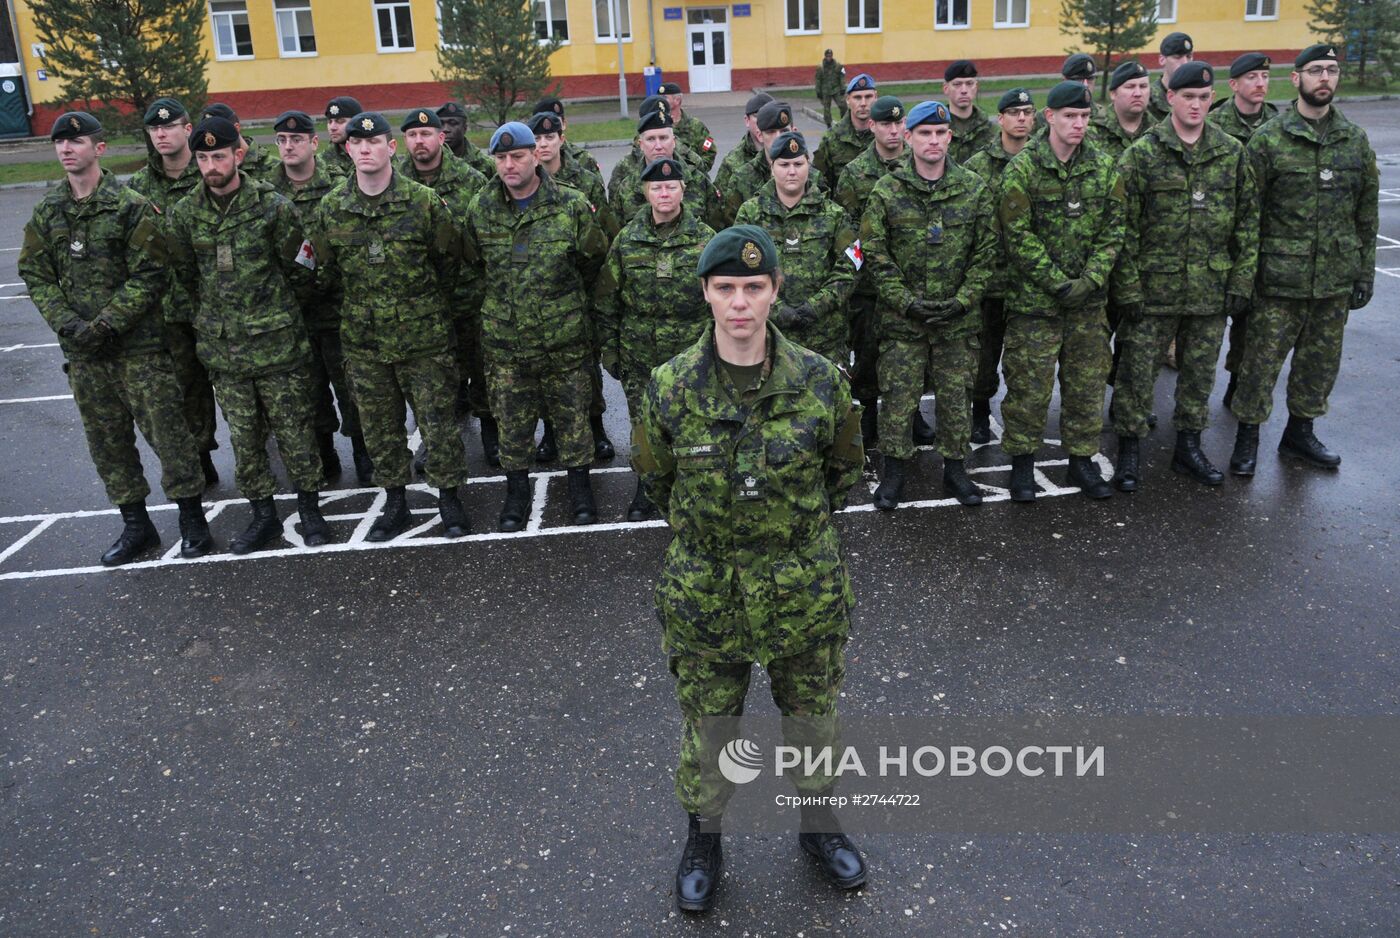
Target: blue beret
[[927, 112], [512, 135], [861, 82]]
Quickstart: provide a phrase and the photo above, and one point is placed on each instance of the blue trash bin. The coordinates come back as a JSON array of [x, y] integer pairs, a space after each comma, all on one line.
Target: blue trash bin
[[653, 80]]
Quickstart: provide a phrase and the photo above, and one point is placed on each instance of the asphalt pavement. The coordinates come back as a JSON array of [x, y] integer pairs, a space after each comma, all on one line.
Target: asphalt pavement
[[477, 737]]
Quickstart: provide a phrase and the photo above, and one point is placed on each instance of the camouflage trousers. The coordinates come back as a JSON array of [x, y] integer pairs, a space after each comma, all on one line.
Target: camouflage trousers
[[384, 391], [1144, 344], [279, 406], [827, 102], [112, 395], [196, 390], [988, 380], [558, 388], [327, 375], [711, 695], [471, 365], [1312, 331], [865, 380], [1234, 353], [904, 365], [1077, 342]]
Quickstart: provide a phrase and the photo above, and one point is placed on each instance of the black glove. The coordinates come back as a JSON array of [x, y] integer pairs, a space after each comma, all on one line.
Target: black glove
[[1236, 305], [1074, 293], [1129, 313], [794, 317], [941, 311], [88, 335], [1361, 293]]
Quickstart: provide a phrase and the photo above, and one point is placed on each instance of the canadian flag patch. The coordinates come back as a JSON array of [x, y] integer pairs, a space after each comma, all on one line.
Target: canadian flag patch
[[306, 255], [856, 255], [709, 144]]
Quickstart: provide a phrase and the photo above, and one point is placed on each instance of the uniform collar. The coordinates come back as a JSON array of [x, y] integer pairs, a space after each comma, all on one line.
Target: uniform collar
[[707, 386]]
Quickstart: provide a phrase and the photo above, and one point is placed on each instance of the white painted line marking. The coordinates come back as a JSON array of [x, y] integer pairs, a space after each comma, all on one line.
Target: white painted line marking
[[34, 532], [15, 296], [36, 400], [23, 345]]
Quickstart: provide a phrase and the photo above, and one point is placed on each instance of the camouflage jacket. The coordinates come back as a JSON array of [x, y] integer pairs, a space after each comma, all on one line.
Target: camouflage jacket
[[248, 277], [392, 259], [1158, 109], [990, 164], [163, 191], [104, 256], [625, 194], [648, 301], [746, 182], [575, 174], [1191, 223], [972, 133], [456, 182], [841, 144], [812, 238], [1318, 208], [322, 311], [748, 483], [1111, 137], [853, 191], [539, 268], [694, 134], [477, 158], [830, 79], [1059, 221], [929, 241], [744, 151], [1229, 119], [336, 162], [583, 157], [260, 161]]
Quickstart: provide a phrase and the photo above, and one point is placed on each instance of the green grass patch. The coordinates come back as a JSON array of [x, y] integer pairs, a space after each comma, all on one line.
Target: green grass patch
[[50, 171], [579, 131]]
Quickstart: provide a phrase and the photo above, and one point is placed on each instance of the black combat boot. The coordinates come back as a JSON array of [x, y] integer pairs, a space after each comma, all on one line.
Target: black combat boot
[[1246, 455], [641, 508], [491, 442], [1229, 397], [1023, 487], [981, 422], [392, 522], [454, 516], [516, 510], [870, 425], [138, 535], [1084, 473], [1125, 466], [957, 484], [920, 430], [330, 459], [195, 539], [211, 474], [1187, 458], [548, 450], [1300, 442], [364, 466], [891, 483], [602, 446], [698, 874], [839, 859], [314, 530], [581, 496], [420, 463], [265, 527]]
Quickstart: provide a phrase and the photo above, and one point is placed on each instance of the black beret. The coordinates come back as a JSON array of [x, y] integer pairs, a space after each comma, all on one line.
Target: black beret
[[788, 146], [1015, 97], [367, 124], [214, 133], [294, 122], [544, 122], [164, 111], [962, 68], [75, 124], [220, 110], [1069, 94], [755, 102], [1175, 44], [549, 104], [1192, 75], [1078, 66], [664, 169], [655, 119], [1313, 53], [452, 109], [422, 117], [343, 107], [651, 103], [740, 251], [1125, 72], [887, 109], [775, 115], [669, 87], [1249, 62]]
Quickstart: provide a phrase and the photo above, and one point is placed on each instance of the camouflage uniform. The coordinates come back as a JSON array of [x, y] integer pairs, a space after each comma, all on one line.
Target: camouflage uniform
[[540, 266], [1158, 108], [196, 390], [990, 165], [748, 482], [260, 161], [839, 146], [975, 132], [625, 196], [1191, 237], [830, 82], [696, 136], [1059, 222], [746, 181], [648, 302], [104, 257], [1317, 239], [742, 153], [245, 280], [1109, 136], [928, 241], [475, 157], [394, 259], [812, 238], [852, 192], [337, 163], [582, 156]]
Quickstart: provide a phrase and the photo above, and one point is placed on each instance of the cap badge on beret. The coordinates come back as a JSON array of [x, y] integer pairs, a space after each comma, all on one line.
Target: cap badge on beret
[[1331, 53], [783, 118], [367, 124], [1023, 97], [73, 122], [751, 255], [896, 111], [422, 117], [665, 169], [163, 113], [792, 145], [334, 109], [1186, 44], [507, 140], [209, 138]]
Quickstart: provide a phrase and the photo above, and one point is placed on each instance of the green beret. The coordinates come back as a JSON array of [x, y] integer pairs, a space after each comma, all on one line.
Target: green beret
[[887, 109], [1125, 72], [343, 107], [452, 109], [741, 251], [1069, 94], [1016, 97], [1249, 62], [165, 111], [423, 117], [788, 146], [656, 119], [545, 122], [1192, 75], [75, 124], [664, 169], [214, 133], [775, 115], [756, 102], [1313, 53], [1079, 66], [294, 122], [669, 87], [1175, 44], [367, 124], [962, 68], [218, 109]]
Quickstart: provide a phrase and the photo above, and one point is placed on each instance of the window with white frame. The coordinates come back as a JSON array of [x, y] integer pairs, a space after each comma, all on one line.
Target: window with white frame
[[602, 20], [1261, 9], [862, 16], [950, 14], [232, 37], [552, 19], [1166, 11], [295, 33], [1012, 13], [804, 16], [393, 25]]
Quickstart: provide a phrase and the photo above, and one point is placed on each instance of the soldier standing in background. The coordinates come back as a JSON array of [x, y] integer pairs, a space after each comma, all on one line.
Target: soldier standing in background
[[656, 139], [580, 154], [338, 113], [850, 136], [772, 119], [1081, 67], [258, 161], [830, 82], [454, 128], [747, 148], [972, 129], [1125, 119], [1176, 50], [690, 130]]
